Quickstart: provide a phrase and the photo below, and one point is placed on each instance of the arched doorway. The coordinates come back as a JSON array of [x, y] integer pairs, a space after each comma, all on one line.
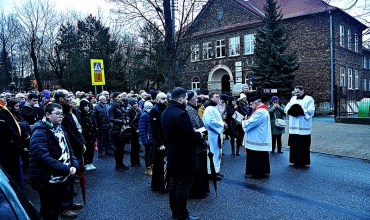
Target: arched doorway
[[225, 85], [220, 79]]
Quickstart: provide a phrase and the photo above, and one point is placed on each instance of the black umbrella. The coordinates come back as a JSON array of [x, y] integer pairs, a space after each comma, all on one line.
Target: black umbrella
[[213, 170]]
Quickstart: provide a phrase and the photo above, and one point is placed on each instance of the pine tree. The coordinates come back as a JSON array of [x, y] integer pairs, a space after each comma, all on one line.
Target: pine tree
[[274, 67]]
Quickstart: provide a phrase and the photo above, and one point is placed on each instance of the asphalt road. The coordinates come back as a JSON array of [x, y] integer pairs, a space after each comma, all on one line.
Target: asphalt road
[[331, 188]]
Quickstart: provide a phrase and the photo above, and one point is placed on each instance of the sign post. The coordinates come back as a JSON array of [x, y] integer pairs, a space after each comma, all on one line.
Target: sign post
[[97, 72]]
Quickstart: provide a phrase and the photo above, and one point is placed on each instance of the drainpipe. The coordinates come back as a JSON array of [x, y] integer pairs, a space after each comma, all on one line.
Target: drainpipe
[[331, 63]]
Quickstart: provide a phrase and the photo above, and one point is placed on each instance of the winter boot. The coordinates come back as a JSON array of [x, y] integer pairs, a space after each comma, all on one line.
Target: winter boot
[[232, 143]]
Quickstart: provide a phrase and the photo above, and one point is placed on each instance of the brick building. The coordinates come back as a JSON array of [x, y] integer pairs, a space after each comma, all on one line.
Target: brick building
[[222, 43]]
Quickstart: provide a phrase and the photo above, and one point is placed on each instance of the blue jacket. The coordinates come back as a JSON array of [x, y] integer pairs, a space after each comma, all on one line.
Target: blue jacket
[[145, 131], [44, 155]]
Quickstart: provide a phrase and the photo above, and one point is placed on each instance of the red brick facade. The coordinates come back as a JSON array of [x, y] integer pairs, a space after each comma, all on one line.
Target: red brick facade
[[309, 33]]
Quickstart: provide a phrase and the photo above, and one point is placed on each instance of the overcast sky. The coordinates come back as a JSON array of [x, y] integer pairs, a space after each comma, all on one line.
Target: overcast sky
[[85, 6]]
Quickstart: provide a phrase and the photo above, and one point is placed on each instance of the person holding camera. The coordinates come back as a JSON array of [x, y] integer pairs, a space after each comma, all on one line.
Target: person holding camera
[[276, 112]]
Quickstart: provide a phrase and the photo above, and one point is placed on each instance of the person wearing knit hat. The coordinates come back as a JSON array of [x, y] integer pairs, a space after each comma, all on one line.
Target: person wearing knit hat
[[241, 97], [224, 97], [274, 98], [147, 106], [276, 111], [146, 137], [132, 101]]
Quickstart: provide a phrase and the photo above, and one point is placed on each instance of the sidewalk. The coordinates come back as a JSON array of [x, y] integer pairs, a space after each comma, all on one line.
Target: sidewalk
[[349, 140]]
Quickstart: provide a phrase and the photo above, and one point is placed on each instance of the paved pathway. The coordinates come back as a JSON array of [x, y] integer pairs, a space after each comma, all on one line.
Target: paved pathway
[[349, 140]]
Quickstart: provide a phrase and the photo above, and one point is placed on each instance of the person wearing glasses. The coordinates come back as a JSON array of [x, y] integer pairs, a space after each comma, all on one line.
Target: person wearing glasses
[[78, 143], [300, 109], [52, 161], [31, 111]]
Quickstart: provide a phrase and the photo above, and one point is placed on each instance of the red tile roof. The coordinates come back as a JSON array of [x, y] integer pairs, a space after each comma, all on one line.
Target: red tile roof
[[289, 8]]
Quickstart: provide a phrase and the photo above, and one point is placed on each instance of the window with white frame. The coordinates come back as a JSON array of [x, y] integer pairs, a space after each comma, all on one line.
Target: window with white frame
[[341, 35], [349, 38], [195, 84], [234, 46], [220, 48], [356, 43], [194, 53], [342, 80], [357, 80], [350, 79], [365, 84], [365, 63], [207, 50], [249, 43]]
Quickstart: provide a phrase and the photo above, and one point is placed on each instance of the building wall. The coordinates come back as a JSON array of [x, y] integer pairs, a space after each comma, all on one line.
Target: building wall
[[309, 36]]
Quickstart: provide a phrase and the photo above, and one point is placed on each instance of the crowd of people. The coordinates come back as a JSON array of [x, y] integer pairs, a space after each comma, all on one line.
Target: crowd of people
[[53, 137]]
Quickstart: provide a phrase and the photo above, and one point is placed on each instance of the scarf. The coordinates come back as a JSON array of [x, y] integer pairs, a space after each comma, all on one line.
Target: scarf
[[262, 106], [65, 157]]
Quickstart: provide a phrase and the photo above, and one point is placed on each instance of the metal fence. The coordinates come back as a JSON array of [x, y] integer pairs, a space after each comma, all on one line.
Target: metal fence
[[351, 103]]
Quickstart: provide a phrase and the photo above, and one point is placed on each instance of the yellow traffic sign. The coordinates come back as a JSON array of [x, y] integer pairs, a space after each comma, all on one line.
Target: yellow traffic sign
[[97, 72]]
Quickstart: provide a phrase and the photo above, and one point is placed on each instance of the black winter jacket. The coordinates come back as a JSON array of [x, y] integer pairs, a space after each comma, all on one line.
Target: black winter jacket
[[133, 118], [31, 114], [88, 126], [117, 117], [156, 125], [181, 140], [75, 137], [101, 116], [44, 154]]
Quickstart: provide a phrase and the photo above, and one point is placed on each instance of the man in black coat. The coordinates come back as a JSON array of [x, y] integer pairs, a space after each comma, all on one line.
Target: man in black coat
[[181, 142], [78, 144], [158, 140]]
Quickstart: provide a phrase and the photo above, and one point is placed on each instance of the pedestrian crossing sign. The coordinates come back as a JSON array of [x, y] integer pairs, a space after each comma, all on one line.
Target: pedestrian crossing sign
[[97, 72]]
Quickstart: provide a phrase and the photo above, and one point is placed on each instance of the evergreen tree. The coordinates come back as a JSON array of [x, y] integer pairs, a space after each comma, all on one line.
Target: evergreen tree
[[274, 67]]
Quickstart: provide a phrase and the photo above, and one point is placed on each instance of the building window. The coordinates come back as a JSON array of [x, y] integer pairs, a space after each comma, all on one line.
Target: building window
[[234, 46], [356, 43], [207, 50], [357, 80], [369, 63], [341, 36], [194, 53], [365, 84], [349, 38], [249, 43], [342, 77], [195, 84], [365, 64], [220, 48], [350, 81]]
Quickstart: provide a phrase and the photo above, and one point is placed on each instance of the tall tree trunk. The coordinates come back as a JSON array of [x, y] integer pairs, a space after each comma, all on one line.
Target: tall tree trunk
[[169, 41], [35, 69], [5, 64]]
